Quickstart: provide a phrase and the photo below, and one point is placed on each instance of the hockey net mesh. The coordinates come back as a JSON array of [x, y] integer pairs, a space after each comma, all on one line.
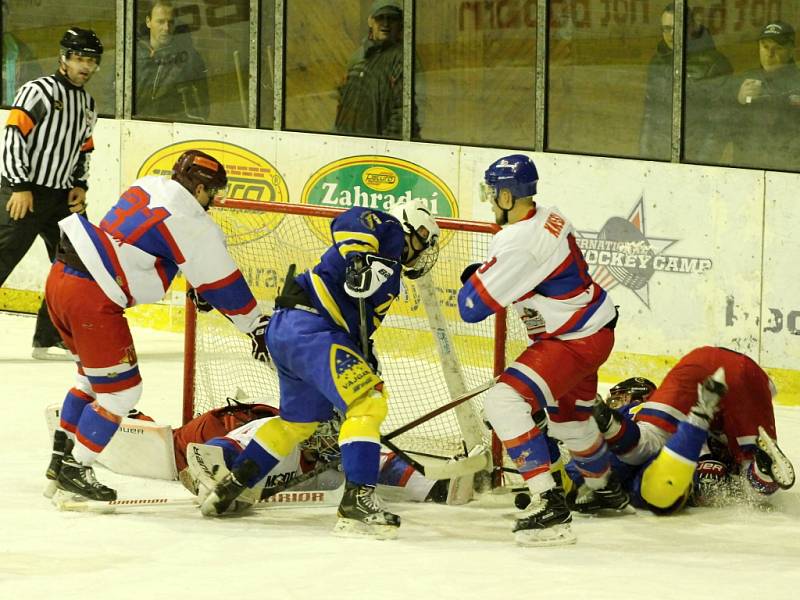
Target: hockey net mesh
[[264, 243]]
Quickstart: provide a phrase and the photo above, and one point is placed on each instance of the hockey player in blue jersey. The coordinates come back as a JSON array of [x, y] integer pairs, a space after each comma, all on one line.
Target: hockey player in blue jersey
[[317, 344]]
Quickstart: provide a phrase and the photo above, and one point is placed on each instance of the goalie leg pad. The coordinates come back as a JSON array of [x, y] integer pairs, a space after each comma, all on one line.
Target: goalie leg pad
[[273, 441]]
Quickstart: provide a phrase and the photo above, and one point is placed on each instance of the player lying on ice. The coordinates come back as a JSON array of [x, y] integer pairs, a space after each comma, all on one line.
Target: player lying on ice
[[212, 442], [706, 435], [317, 338]]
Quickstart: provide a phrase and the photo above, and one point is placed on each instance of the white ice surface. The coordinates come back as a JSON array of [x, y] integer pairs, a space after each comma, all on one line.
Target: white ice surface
[[443, 552]]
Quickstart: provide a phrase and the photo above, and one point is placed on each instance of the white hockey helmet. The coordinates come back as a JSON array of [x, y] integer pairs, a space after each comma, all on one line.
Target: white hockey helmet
[[422, 237]]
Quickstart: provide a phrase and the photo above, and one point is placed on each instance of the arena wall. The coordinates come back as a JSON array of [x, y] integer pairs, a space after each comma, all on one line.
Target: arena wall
[[692, 255]]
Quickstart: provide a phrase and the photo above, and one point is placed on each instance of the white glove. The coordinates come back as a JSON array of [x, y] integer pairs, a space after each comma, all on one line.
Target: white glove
[[365, 273]]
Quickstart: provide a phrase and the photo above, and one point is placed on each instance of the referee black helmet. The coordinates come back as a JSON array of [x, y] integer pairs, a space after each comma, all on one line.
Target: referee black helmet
[[81, 42]]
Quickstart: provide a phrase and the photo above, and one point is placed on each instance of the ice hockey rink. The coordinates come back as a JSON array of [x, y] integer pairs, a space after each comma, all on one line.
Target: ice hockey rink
[[443, 551]]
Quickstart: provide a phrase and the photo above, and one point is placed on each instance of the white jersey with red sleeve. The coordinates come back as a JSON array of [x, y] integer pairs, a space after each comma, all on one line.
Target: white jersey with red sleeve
[[155, 229], [536, 266]]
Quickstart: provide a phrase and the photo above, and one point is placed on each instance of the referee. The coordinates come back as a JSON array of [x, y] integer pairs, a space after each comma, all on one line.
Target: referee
[[48, 138]]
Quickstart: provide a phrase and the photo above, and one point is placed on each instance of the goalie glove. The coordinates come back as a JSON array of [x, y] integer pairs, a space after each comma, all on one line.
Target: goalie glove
[[710, 482], [200, 303], [365, 273], [258, 340], [709, 394]]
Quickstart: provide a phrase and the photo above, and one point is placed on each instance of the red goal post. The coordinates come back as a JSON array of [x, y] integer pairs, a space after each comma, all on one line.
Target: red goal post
[[428, 356]]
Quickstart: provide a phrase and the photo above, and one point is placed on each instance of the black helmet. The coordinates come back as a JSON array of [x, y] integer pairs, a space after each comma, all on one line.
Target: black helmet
[[83, 42], [194, 167]]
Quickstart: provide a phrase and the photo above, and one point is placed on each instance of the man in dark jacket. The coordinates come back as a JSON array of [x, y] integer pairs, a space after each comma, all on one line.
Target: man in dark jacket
[[371, 97], [705, 68], [768, 101], [171, 77]]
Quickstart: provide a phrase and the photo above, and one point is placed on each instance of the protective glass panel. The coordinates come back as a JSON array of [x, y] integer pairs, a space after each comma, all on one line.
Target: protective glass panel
[[191, 61], [610, 78], [743, 92], [267, 70], [344, 74], [475, 75], [31, 34]]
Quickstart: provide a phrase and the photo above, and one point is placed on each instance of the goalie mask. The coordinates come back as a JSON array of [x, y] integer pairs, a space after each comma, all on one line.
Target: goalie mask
[[194, 167], [631, 391], [324, 444], [421, 249]]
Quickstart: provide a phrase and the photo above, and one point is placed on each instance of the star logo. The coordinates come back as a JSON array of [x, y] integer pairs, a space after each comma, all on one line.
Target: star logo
[[623, 253]]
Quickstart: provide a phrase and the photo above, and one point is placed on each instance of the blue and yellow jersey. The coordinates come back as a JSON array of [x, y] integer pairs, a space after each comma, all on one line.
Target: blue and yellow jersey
[[357, 230]]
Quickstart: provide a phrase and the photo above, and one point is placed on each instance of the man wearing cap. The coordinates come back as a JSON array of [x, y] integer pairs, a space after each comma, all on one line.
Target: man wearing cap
[[769, 99], [371, 97]]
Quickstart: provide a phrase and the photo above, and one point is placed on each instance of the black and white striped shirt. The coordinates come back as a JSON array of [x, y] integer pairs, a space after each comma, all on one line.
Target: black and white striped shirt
[[48, 135]]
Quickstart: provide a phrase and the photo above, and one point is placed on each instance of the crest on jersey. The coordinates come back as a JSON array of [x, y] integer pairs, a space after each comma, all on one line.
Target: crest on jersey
[[370, 220], [351, 375]]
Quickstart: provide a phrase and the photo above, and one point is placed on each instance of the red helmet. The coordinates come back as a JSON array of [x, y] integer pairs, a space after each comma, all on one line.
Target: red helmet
[[194, 167]]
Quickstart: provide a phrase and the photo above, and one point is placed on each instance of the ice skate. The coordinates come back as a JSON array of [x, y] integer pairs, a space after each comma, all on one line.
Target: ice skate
[[361, 514], [58, 351], [771, 461], [79, 479], [612, 497], [546, 521], [56, 459], [224, 497]]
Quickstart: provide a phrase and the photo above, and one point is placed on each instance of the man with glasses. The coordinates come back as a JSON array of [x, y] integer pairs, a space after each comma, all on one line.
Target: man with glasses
[[157, 227], [769, 104], [371, 97], [705, 70]]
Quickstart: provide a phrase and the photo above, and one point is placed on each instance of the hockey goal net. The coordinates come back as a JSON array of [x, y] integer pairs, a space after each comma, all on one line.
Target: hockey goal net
[[428, 356]]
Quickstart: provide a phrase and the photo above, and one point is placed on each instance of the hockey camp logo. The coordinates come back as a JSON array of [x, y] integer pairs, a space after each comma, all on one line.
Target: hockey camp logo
[[377, 182], [623, 253]]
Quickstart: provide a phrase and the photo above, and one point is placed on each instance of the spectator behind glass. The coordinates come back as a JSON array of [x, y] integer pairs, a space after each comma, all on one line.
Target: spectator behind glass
[[766, 133], [371, 97], [704, 67], [19, 63], [171, 77]]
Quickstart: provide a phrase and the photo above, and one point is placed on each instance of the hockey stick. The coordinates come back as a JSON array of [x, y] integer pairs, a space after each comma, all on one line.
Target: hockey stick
[[281, 499], [477, 460]]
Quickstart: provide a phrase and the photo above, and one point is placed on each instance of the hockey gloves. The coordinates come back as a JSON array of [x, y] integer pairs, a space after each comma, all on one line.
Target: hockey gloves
[[200, 303], [608, 420], [709, 394], [258, 340], [468, 271], [365, 273]]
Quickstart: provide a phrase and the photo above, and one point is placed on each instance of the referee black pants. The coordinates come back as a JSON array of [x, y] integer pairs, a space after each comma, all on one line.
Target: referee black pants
[[16, 238]]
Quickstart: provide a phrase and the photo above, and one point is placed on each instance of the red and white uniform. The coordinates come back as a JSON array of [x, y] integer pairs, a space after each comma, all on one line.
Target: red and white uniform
[[746, 405], [156, 228], [535, 266]]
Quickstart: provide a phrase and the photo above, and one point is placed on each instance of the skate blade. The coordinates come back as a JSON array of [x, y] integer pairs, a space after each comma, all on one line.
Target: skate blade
[[557, 535], [356, 529], [782, 469], [604, 512], [50, 489], [64, 500]]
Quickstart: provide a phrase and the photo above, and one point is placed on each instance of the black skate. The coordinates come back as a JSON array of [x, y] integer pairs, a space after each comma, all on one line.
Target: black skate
[[546, 521], [771, 461], [56, 458], [225, 493], [361, 514], [612, 497], [79, 479]]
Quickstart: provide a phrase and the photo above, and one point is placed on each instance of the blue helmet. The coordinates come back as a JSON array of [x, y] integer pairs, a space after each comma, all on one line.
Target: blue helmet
[[516, 172]]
